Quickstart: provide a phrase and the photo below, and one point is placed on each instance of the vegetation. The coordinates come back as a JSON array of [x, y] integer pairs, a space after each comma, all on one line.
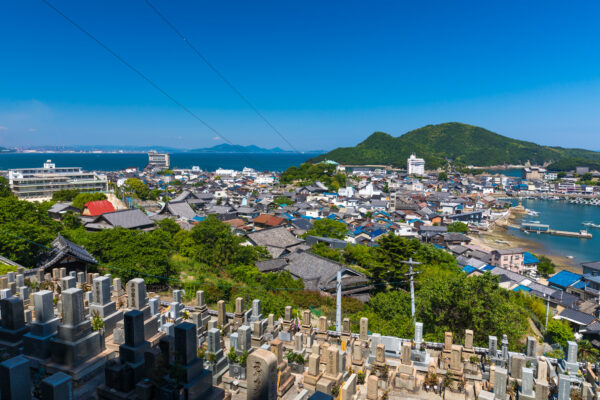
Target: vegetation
[[559, 332], [464, 144], [328, 228], [137, 188], [459, 227], [5, 187], [307, 174], [279, 200], [545, 266], [65, 195], [81, 199]]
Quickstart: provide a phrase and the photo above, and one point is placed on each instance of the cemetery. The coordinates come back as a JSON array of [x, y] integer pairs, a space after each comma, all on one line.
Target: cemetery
[[86, 336]]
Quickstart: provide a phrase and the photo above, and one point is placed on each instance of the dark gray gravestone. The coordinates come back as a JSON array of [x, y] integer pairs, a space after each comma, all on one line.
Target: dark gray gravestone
[[57, 387], [15, 383]]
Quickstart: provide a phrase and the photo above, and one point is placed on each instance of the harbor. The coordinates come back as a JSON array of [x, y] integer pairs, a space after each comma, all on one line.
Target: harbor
[[545, 228]]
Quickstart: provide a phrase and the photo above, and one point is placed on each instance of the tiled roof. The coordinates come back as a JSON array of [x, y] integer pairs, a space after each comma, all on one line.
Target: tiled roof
[[99, 207], [179, 209], [62, 247], [130, 219], [268, 219], [276, 237], [577, 317]]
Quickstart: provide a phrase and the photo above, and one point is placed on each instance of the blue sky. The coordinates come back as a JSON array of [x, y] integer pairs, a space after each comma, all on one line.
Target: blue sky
[[326, 74]]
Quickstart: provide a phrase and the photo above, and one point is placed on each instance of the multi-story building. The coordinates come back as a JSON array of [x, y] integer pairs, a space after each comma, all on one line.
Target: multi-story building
[[511, 259], [416, 166], [41, 183], [161, 160]]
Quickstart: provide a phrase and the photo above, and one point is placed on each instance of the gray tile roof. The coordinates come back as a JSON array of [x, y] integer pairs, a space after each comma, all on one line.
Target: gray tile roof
[[61, 248], [179, 209], [275, 237], [130, 219], [577, 317], [316, 271]]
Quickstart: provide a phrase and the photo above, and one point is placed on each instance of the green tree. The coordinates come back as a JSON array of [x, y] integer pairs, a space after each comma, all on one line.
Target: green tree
[[442, 176], [545, 266], [4, 187], [25, 230], [137, 188], [328, 228], [279, 200], [458, 226], [71, 220], [65, 195], [168, 225], [559, 331], [82, 198], [586, 352], [321, 249]]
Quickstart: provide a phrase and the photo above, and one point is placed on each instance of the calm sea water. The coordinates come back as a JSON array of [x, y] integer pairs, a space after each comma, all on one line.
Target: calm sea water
[[115, 162], [561, 215]]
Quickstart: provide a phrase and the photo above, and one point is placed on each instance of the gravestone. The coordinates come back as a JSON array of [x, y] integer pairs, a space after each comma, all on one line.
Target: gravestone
[[299, 343], [12, 324], [313, 373], [238, 316], [244, 338], [262, 375], [102, 305], [68, 282], [219, 366], [153, 304], [418, 335], [36, 343], [468, 340], [221, 314], [256, 310], [570, 364], [137, 300], [372, 387], [564, 387], [531, 346], [80, 278], [349, 388], [526, 392], [505, 347], [364, 329], [202, 309], [500, 383], [15, 382], [517, 362], [58, 386], [75, 342], [287, 319]]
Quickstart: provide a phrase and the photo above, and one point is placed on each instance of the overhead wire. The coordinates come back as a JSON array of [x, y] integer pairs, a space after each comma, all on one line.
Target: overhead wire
[[219, 74], [145, 77]]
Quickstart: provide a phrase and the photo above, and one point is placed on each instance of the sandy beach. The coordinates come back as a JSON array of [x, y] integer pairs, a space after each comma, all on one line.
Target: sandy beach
[[498, 237]]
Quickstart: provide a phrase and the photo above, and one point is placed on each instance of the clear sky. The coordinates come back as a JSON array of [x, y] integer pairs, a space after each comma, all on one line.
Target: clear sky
[[325, 73]]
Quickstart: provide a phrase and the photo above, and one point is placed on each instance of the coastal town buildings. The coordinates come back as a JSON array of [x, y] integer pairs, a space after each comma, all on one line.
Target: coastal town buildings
[[159, 160], [41, 183]]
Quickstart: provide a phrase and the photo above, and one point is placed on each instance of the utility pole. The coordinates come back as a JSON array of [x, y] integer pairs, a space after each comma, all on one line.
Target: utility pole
[[411, 274], [547, 309], [338, 308]]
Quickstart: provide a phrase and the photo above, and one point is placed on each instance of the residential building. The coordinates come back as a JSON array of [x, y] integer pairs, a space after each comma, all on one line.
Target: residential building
[[511, 259], [41, 183], [416, 166], [160, 160]]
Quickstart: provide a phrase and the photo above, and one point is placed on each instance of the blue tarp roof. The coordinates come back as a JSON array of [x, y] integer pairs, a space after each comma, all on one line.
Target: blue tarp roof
[[579, 285], [523, 288], [530, 258], [488, 267], [199, 219], [564, 279], [468, 269]]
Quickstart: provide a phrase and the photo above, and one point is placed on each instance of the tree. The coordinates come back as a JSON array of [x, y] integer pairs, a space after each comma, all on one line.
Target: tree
[[321, 249], [4, 187], [328, 228], [442, 176], [545, 266], [82, 198], [459, 227], [137, 188], [586, 352], [279, 200], [168, 225], [559, 331], [65, 195]]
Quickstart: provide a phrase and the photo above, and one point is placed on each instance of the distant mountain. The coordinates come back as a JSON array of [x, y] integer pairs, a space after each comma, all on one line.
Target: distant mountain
[[106, 148], [6, 150], [464, 144], [228, 148]]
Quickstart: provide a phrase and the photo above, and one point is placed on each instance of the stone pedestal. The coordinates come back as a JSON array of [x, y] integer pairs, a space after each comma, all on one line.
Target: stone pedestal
[[45, 327], [313, 374], [15, 382], [12, 324], [103, 306]]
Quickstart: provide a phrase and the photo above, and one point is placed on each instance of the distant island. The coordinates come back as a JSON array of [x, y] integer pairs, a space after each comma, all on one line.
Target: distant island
[[221, 148], [463, 144]]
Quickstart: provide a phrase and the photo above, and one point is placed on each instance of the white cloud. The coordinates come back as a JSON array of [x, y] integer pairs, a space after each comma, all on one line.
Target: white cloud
[[217, 138], [3, 128], [32, 130]]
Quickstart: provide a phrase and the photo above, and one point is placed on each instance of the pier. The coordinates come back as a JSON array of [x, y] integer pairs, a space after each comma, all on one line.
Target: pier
[[543, 228]]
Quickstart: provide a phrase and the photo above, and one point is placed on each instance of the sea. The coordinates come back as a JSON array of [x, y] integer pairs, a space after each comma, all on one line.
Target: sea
[[561, 215], [120, 161]]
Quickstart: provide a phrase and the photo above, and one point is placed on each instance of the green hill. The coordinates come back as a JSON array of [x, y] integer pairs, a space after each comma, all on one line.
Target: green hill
[[464, 144]]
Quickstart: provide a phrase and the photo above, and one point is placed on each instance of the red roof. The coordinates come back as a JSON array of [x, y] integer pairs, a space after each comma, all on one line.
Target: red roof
[[99, 207], [268, 219]]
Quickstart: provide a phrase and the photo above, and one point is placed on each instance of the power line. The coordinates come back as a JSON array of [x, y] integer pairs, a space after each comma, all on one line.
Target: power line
[[143, 76], [219, 74]]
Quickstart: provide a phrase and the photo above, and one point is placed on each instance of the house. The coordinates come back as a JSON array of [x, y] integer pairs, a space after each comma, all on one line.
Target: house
[[278, 241], [97, 207], [178, 209], [128, 219], [65, 254], [59, 209], [511, 259], [268, 220], [330, 242], [450, 239], [319, 273]]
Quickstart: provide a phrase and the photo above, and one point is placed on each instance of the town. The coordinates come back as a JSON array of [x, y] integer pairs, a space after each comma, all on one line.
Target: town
[[72, 326]]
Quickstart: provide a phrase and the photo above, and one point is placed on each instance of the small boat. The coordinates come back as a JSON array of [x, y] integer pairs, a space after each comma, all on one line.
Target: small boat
[[570, 257]]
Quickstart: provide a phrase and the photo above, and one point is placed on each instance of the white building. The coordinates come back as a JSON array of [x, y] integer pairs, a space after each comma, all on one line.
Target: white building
[[41, 183], [416, 166], [161, 160]]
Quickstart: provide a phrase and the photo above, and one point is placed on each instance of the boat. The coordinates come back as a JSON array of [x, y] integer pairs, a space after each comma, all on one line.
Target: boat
[[532, 213], [591, 225]]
